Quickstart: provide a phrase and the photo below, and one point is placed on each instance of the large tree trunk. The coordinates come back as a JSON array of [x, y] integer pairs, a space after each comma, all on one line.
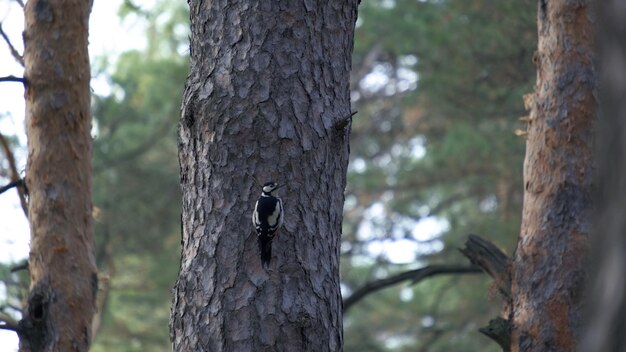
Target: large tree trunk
[[548, 268], [267, 91], [61, 302], [606, 328]]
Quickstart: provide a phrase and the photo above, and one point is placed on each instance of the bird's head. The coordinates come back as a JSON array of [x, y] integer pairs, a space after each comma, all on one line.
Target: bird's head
[[269, 187]]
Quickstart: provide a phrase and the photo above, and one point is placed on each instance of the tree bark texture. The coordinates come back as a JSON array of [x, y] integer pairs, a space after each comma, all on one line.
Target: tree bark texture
[[61, 302], [268, 88], [548, 268], [606, 327]]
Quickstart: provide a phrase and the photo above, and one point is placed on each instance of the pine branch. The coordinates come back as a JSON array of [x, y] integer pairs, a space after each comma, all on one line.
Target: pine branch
[[14, 52], [414, 276]]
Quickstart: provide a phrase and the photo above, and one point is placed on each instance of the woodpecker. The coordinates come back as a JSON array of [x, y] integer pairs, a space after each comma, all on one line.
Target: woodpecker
[[267, 219]]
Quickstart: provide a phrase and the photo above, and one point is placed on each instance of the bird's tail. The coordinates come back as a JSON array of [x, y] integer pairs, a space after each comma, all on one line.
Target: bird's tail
[[265, 246]]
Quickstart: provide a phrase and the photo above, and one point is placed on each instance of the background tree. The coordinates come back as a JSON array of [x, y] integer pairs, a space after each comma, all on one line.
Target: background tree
[[136, 172], [267, 96], [548, 269], [606, 310], [60, 307]]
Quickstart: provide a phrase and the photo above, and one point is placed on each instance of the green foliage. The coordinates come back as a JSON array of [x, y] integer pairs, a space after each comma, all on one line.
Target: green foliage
[[443, 147], [136, 188], [13, 289]]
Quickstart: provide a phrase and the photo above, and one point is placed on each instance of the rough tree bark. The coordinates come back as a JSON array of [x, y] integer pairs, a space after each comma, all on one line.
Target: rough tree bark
[[60, 305], [606, 328], [549, 264], [267, 97]]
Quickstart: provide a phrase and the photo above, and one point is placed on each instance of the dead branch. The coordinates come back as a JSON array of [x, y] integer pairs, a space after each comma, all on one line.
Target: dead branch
[[8, 323], [10, 185], [414, 276], [11, 327], [499, 330], [340, 124], [14, 52], [20, 267], [15, 176], [12, 79], [5, 318], [494, 262], [5, 307], [491, 260]]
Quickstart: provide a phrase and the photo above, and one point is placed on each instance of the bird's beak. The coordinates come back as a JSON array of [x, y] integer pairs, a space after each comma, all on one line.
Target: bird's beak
[[279, 186]]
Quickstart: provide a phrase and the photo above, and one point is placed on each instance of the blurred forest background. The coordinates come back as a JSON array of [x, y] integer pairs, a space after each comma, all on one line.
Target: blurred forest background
[[438, 86]]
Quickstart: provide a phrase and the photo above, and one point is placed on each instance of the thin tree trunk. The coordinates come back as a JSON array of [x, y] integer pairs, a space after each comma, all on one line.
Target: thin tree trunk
[[548, 268], [267, 92], [606, 327], [61, 301]]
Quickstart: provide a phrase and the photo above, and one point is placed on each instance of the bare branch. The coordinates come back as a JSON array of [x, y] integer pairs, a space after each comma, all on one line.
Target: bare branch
[[343, 122], [491, 259], [13, 79], [20, 2], [102, 297], [15, 176], [4, 308], [499, 330], [17, 183], [11, 327], [14, 52], [414, 276], [8, 323], [20, 267], [5, 318]]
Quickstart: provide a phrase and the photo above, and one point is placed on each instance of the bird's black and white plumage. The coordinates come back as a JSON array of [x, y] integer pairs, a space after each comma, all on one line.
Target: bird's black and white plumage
[[267, 219]]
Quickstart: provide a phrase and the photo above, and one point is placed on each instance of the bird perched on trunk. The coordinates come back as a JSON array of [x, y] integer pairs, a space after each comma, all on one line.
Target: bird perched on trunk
[[267, 219]]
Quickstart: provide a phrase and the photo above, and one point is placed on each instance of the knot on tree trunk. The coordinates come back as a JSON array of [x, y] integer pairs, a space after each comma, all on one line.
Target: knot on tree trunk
[[35, 327]]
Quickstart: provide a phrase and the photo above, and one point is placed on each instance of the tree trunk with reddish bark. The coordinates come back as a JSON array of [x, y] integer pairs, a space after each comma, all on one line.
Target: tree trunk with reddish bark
[[267, 97], [61, 302], [548, 269]]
